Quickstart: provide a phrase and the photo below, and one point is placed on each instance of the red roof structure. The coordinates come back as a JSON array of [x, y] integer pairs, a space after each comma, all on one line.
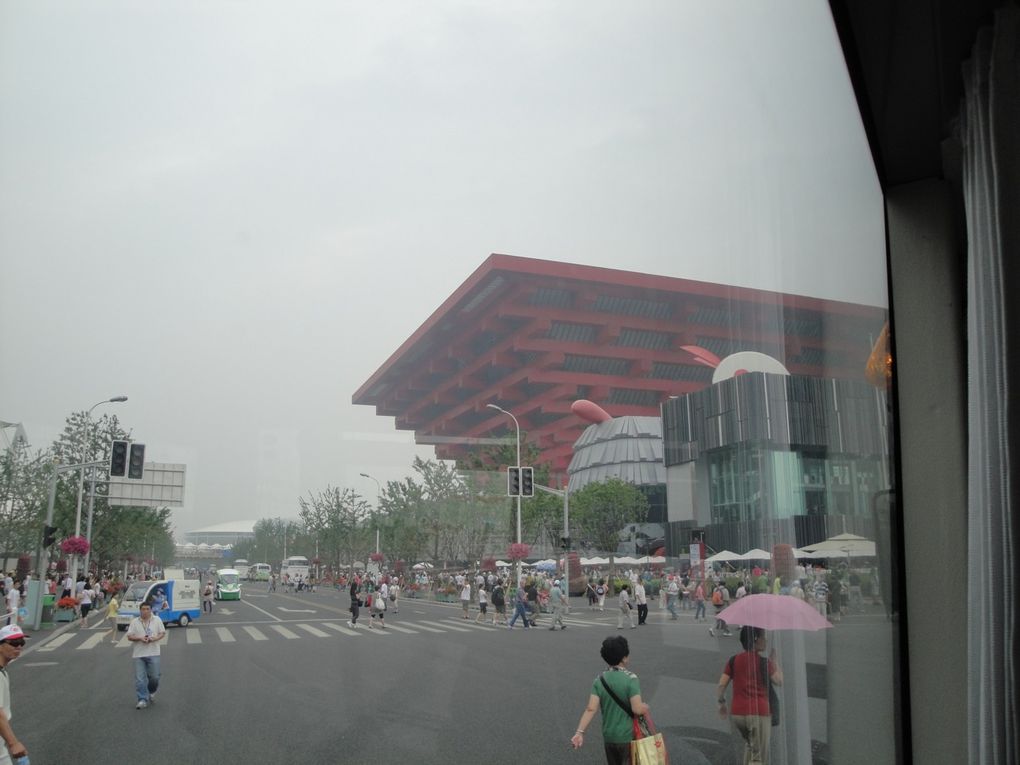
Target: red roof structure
[[533, 336]]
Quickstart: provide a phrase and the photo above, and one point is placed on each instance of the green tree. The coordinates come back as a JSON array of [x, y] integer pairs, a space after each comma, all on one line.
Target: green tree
[[118, 532], [599, 511], [401, 507], [272, 537], [541, 515], [340, 519], [24, 492]]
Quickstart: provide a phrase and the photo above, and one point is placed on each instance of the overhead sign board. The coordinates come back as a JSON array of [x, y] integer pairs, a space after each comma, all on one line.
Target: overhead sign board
[[162, 485]]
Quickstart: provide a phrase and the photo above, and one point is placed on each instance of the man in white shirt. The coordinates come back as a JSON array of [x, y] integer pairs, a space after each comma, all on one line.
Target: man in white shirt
[[13, 601], [145, 631], [642, 602], [12, 639], [672, 593]]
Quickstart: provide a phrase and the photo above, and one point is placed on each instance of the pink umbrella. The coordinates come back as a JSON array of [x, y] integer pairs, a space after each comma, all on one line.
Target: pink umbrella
[[774, 612]]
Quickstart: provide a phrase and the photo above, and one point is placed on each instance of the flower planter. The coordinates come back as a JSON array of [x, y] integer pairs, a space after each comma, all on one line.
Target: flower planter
[[64, 615]]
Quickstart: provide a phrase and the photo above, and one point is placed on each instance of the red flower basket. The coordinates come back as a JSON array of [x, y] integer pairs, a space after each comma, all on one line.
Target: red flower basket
[[75, 546], [488, 564], [518, 551], [376, 557]]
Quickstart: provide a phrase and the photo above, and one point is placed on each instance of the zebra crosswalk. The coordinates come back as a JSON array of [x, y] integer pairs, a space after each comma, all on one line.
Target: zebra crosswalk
[[220, 634]]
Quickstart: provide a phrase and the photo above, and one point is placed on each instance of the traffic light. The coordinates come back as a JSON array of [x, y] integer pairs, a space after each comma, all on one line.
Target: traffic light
[[137, 461], [513, 482], [118, 458], [527, 482], [49, 536]]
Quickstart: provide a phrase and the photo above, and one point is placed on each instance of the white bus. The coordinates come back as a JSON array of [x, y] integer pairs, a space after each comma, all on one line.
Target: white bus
[[294, 568], [259, 572], [241, 566]]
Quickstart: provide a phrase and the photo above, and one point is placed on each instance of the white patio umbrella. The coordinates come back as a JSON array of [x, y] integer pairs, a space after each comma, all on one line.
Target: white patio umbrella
[[723, 556], [805, 555], [844, 544]]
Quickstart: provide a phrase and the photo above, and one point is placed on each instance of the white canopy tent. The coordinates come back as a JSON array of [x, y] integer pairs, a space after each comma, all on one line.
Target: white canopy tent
[[843, 544], [627, 560], [723, 556], [595, 561], [756, 554]]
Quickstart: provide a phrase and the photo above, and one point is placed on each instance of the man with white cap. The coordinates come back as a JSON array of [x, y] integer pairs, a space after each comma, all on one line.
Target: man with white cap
[[12, 640], [558, 601]]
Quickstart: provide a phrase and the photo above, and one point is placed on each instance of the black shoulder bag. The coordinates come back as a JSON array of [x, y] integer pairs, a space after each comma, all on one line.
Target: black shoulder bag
[[625, 707]]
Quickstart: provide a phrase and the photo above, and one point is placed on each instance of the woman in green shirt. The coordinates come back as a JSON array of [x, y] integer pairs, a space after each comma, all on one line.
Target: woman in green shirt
[[617, 724]]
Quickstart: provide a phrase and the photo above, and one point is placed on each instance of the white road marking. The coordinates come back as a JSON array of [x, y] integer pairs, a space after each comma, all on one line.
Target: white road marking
[[313, 630], [225, 611], [445, 626], [255, 633], [296, 610], [40, 664], [194, 636], [473, 625], [262, 610], [398, 628], [420, 626], [285, 632], [341, 628], [225, 635], [58, 641], [91, 642]]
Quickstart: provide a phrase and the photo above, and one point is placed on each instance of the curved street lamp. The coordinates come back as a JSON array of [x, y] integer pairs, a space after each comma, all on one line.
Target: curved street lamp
[[81, 473], [517, 427], [378, 493]]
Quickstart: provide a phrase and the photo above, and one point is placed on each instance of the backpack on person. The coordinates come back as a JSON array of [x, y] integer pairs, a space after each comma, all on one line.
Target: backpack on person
[[497, 596], [717, 598]]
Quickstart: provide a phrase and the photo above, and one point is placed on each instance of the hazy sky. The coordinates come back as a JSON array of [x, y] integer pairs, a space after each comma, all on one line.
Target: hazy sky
[[234, 212]]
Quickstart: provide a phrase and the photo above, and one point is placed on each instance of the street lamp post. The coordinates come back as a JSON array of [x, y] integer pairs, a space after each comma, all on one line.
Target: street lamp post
[[517, 427], [565, 493], [81, 475], [378, 494]]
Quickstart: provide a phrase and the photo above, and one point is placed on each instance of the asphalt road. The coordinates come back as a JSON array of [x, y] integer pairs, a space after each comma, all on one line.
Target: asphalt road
[[279, 678]]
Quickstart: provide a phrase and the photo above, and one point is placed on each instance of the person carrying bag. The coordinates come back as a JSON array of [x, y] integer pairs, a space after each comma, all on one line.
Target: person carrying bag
[[626, 726], [648, 746]]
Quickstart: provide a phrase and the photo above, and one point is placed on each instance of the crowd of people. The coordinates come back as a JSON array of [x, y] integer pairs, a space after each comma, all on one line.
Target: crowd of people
[[502, 602]]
